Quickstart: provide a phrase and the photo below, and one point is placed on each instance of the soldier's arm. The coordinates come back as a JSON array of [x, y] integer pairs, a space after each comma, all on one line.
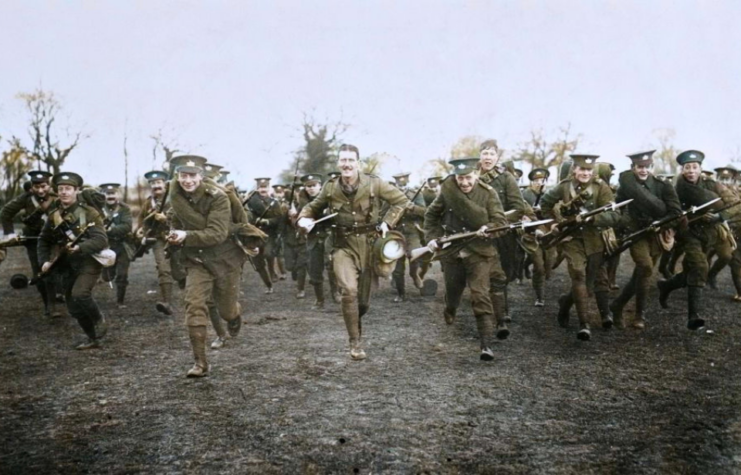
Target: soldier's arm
[[433, 218], [217, 225], [548, 202], [417, 208], [119, 231], [10, 210], [495, 210], [670, 198], [397, 202], [514, 198], [45, 243], [95, 239]]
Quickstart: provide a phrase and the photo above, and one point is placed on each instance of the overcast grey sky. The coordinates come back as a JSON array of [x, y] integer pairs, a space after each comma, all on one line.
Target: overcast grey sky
[[230, 80]]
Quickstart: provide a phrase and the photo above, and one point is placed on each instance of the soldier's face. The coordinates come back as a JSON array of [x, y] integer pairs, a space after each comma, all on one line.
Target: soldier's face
[[263, 191], [111, 198], [642, 171], [40, 189], [279, 194], [157, 187], [489, 158], [348, 164], [537, 183], [691, 171], [313, 189], [189, 181], [67, 194], [432, 185], [402, 181], [583, 175], [466, 182]]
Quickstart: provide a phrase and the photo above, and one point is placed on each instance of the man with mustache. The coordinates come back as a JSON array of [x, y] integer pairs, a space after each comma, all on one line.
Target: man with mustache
[[153, 222], [35, 203], [78, 269], [118, 224], [357, 198]]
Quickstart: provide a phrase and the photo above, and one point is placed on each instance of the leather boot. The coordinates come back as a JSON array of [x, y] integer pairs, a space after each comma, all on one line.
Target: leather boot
[[507, 317], [581, 302], [617, 305], [263, 273], [165, 304], [641, 304], [736, 276], [497, 302], [319, 294], [400, 289], [51, 300], [198, 343], [301, 284], [351, 315], [603, 299], [666, 287], [271, 269], [484, 324], [449, 315], [120, 295], [694, 300], [564, 309]]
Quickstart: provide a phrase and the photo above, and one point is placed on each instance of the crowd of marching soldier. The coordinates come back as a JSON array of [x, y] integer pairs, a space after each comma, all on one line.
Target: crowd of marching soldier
[[351, 228]]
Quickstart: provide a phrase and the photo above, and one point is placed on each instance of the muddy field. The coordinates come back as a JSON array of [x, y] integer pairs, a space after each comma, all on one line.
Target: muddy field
[[284, 397]]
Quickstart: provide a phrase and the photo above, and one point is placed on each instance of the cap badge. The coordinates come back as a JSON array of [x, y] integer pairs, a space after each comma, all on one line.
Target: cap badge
[[190, 163], [65, 177]]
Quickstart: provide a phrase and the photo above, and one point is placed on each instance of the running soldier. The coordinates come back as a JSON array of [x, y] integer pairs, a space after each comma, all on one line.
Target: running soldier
[[118, 225]]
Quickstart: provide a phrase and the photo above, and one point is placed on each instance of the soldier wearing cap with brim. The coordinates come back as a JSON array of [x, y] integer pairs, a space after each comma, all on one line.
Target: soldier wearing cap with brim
[[431, 190], [315, 241], [467, 204], [703, 236], [408, 225], [201, 226], [266, 213], [357, 198], [727, 177], [35, 204], [584, 249], [294, 242], [504, 183], [653, 199], [153, 224], [119, 225], [280, 194], [79, 270], [541, 259]]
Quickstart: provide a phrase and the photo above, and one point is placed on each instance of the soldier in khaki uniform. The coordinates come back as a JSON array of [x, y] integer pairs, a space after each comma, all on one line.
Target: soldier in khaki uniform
[[699, 238], [653, 199], [266, 213], [429, 193], [727, 177], [153, 224], [411, 220], [540, 258], [79, 271], [466, 204], [505, 185], [118, 225], [279, 193], [35, 204], [201, 216], [294, 244], [584, 249], [314, 247], [357, 197]]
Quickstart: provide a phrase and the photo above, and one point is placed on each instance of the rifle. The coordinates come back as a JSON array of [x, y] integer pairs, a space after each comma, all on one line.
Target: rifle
[[17, 241], [446, 240], [720, 210], [414, 198], [568, 226], [63, 251], [627, 241], [293, 185], [149, 238]]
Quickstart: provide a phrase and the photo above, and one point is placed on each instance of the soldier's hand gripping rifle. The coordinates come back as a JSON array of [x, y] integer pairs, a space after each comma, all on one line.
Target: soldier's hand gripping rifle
[[717, 211], [445, 241], [62, 251], [153, 227], [414, 198], [17, 241], [572, 223], [626, 242]]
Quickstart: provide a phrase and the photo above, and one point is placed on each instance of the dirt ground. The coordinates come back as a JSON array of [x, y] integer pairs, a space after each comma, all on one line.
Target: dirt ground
[[284, 397]]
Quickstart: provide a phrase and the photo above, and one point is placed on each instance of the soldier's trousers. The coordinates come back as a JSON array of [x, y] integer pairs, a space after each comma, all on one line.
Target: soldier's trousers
[[411, 241], [295, 256], [473, 271], [261, 266], [587, 272], [736, 270], [119, 272], [645, 254], [78, 294], [164, 268], [354, 284], [46, 286], [222, 282]]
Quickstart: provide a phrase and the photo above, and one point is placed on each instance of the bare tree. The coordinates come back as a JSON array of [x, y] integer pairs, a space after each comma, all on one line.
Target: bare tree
[[541, 152], [15, 164], [666, 152], [317, 154], [466, 147], [44, 108]]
